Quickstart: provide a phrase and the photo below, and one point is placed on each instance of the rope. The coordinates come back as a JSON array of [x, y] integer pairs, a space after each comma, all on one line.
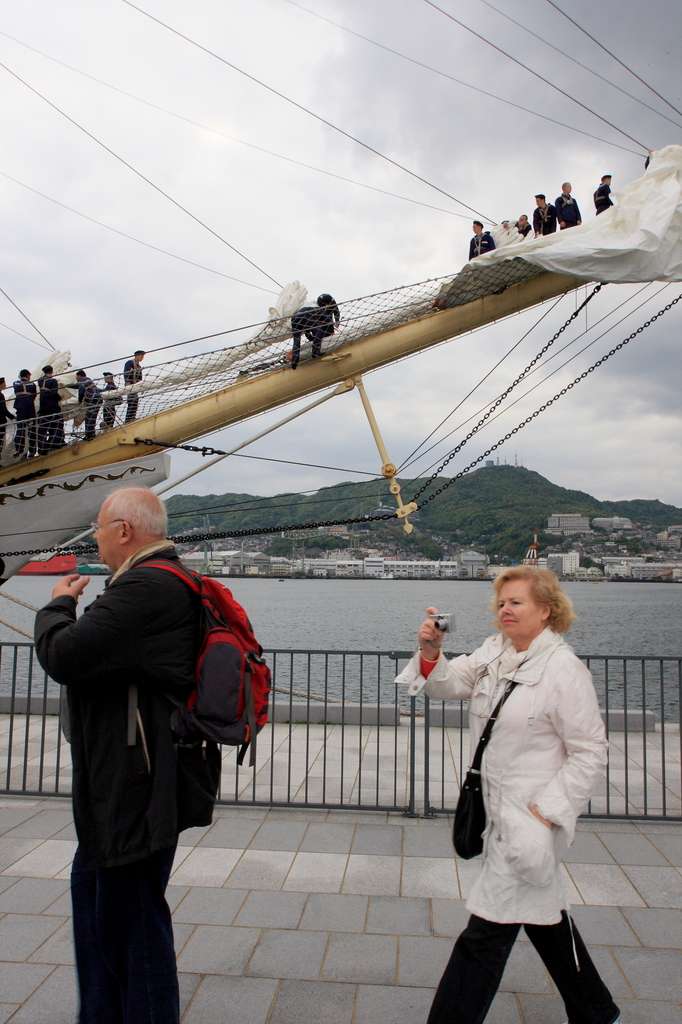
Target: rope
[[24, 604], [194, 538], [17, 629]]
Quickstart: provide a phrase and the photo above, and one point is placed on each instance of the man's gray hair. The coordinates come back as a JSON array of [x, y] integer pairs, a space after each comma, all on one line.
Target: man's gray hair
[[140, 507]]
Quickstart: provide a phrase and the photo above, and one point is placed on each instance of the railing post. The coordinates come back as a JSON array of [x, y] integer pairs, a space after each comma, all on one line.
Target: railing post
[[410, 811], [427, 811]]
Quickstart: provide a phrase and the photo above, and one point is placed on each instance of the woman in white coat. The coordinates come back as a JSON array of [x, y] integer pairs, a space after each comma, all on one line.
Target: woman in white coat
[[545, 754]]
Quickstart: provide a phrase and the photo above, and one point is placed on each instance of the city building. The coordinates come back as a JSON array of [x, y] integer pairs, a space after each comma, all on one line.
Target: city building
[[567, 523], [472, 565], [612, 523], [564, 564]]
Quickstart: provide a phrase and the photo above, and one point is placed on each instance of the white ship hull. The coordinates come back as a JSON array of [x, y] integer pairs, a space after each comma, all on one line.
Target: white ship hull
[[40, 514]]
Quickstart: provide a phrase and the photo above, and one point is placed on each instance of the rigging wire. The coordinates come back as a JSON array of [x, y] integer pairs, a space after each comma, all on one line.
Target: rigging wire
[[617, 59], [32, 340], [558, 368], [459, 81], [535, 73], [306, 110], [410, 457], [260, 149], [576, 61], [28, 321], [139, 174], [537, 369], [133, 239]]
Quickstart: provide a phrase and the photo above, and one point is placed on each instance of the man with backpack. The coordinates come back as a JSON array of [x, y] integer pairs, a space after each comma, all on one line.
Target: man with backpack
[[123, 664]]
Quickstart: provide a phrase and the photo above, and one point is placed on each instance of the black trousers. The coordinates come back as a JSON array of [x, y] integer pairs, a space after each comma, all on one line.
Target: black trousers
[[473, 975], [124, 942]]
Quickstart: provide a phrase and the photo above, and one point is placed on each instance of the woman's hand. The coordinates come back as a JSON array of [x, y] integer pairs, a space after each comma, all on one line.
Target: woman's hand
[[72, 585], [536, 814], [430, 638]]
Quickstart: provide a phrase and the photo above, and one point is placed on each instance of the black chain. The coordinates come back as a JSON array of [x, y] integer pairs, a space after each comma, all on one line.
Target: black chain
[[504, 395], [184, 447], [194, 538]]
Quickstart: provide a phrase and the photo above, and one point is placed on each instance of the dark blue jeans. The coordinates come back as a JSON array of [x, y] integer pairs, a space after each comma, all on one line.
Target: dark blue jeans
[[473, 975], [124, 942]]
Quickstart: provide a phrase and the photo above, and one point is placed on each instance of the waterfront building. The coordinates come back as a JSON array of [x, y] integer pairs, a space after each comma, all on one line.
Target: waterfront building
[[613, 523], [473, 565], [564, 564]]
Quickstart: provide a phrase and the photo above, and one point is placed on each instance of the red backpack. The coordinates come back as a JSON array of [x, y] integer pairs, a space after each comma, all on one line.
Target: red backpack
[[229, 703]]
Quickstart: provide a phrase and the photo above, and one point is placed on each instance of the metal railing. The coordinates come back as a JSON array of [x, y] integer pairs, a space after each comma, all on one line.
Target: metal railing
[[342, 735]]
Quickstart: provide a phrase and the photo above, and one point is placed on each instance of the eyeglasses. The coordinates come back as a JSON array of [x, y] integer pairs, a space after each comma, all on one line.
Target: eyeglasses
[[99, 526]]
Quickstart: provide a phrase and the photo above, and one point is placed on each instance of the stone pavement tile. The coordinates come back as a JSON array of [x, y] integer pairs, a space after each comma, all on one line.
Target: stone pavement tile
[[69, 832], [605, 885], [223, 812], [605, 926], [428, 842], [209, 906], [230, 833], [181, 934], [610, 971], [449, 917], [46, 860], [62, 906], [504, 1010], [12, 850], [261, 869], [361, 958], [537, 1009], [18, 981], [649, 1011], [328, 912], [379, 1004], [660, 887], [288, 954], [670, 846], [467, 871], [656, 927], [362, 817], [279, 835], [6, 1011], [216, 950], [317, 872], [396, 915], [11, 817], [375, 839], [42, 825], [421, 961], [226, 1000], [181, 854], [21, 934], [373, 875], [55, 1002], [628, 849], [652, 973], [328, 837], [174, 894], [206, 866], [570, 891], [525, 971], [588, 849], [308, 1002], [58, 949], [31, 895], [187, 983], [430, 877], [605, 825], [271, 909], [6, 881]]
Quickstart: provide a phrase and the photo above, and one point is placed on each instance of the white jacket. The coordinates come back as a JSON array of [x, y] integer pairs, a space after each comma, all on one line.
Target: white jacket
[[547, 750]]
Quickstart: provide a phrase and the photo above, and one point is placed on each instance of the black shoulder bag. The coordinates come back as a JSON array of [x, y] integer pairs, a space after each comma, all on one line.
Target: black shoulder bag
[[467, 834]]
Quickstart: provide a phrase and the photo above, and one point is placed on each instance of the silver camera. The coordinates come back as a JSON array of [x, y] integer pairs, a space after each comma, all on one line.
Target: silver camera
[[444, 622]]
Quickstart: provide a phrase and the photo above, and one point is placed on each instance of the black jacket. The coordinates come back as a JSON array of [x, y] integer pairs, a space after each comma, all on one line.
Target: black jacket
[[546, 226], [567, 210], [480, 244], [144, 630]]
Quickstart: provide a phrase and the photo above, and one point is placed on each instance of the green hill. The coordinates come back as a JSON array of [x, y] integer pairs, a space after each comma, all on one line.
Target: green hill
[[494, 508]]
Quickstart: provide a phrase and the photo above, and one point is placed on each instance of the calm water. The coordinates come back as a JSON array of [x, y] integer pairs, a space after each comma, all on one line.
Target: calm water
[[383, 615]]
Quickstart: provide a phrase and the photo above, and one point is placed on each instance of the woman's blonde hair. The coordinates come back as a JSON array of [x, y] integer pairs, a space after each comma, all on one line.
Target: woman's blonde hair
[[545, 589]]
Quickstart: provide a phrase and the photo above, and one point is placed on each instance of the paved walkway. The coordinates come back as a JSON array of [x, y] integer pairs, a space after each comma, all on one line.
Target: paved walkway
[[340, 917]]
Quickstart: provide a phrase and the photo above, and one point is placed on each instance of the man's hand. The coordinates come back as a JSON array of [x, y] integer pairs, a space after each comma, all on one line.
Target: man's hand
[[72, 585], [535, 812]]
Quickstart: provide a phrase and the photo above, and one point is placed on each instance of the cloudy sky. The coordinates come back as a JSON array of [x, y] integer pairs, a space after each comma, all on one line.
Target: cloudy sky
[[101, 295]]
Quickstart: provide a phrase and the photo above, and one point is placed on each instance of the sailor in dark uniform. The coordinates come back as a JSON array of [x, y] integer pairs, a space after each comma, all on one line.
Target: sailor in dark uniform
[[5, 414], [25, 394], [132, 374], [109, 406], [328, 318], [317, 323], [567, 212], [602, 200], [481, 242], [90, 397], [544, 217], [50, 421]]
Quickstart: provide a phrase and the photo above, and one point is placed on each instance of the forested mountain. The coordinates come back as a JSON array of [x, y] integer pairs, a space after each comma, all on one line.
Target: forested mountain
[[494, 507]]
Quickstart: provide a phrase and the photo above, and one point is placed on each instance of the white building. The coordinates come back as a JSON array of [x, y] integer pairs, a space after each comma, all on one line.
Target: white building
[[473, 565], [611, 523], [564, 564], [567, 523], [650, 569]]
